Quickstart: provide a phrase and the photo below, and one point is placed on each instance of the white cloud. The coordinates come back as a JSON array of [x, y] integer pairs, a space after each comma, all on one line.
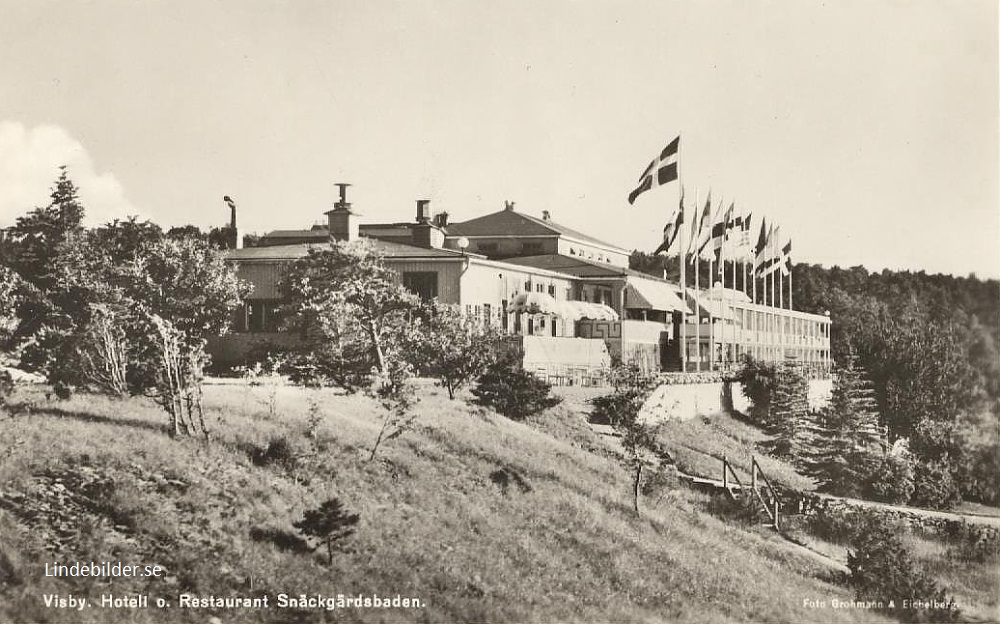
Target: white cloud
[[29, 165]]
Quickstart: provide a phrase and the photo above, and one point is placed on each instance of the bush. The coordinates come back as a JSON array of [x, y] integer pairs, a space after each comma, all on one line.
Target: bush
[[934, 486], [279, 451], [757, 379], [892, 480], [6, 386], [980, 482], [883, 571], [512, 391], [973, 543], [839, 526]]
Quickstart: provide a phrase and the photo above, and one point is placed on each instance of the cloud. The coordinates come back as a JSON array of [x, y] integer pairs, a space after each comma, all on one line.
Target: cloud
[[29, 165]]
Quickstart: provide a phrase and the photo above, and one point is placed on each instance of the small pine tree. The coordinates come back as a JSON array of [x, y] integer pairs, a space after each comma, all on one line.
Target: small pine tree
[[844, 441], [788, 411], [328, 523]]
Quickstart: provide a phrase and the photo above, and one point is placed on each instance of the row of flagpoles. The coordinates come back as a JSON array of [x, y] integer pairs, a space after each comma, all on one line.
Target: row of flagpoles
[[719, 236]]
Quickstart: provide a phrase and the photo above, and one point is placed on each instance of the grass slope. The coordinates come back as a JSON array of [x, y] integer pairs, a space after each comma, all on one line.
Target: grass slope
[[481, 518]]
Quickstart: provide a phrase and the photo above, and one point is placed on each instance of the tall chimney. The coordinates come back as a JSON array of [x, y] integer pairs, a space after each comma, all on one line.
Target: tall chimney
[[234, 232], [423, 211], [425, 233], [342, 221], [508, 205]]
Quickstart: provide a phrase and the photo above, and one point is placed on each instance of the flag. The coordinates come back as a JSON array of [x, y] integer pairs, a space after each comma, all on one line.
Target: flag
[[760, 253], [661, 171], [786, 258], [672, 228], [773, 255], [720, 229], [701, 239], [744, 249]]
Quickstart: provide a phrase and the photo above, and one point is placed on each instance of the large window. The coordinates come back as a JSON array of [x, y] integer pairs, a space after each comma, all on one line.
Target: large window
[[424, 284], [531, 249], [260, 316]]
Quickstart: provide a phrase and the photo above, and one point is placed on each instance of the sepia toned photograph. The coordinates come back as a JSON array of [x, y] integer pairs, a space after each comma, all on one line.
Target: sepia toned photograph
[[469, 312]]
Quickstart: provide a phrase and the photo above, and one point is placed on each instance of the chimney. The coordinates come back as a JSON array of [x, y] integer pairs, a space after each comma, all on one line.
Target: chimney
[[546, 216], [234, 232], [508, 205], [441, 219], [425, 233], [423, 211], [342, 221]]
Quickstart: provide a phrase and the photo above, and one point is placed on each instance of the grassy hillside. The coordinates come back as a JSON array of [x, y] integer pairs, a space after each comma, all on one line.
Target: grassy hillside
[[481, 518]]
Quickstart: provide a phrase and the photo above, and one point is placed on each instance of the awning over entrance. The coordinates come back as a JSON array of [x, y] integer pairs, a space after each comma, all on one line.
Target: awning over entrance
[[534, 303], [649, 295]]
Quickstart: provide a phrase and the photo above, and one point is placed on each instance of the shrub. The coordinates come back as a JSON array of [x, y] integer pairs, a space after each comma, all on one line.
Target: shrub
[[329, 523], [883, 571], [934, 486], [278, 451], [512, 391], [6, 386], [980, 483], [892, 479], [757, 379], [837, 525], [973, 543]]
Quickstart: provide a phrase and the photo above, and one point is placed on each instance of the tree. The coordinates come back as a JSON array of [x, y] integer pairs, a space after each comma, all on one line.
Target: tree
[[883, 572], [130, 311], [845, 442], [453, 348], [512, 391], [37, 235], [622, 409], [10, 286], [757, 380], [33, 245], [329, 523], [788, 411], [357, 323]]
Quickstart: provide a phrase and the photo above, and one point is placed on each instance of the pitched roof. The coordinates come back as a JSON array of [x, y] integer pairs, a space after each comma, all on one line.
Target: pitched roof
[[580, 267], [511, 223], [387, 249]]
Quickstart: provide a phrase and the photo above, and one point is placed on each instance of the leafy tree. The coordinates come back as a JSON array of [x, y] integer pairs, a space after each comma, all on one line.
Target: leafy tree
[[757, 380], [129, 312], [513, 391], [358, 325], [186, 231], [453, 348], [329, 523], [10, 286], [622, 410], [844, 439]]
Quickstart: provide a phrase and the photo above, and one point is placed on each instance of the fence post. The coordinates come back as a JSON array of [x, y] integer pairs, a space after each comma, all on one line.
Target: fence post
[[753, 473], [775, 513], [725, 473]]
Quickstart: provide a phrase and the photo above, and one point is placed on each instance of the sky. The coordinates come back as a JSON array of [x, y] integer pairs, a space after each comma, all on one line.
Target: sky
[[867, 129]]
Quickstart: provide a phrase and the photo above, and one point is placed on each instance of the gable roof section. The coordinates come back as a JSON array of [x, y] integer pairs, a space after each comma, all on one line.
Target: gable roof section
[[511, 223], [389, 250]]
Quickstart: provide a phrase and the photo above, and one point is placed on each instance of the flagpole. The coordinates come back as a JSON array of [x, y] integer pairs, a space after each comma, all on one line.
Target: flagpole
[[697, 282], [732, 306], [683, 349]]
